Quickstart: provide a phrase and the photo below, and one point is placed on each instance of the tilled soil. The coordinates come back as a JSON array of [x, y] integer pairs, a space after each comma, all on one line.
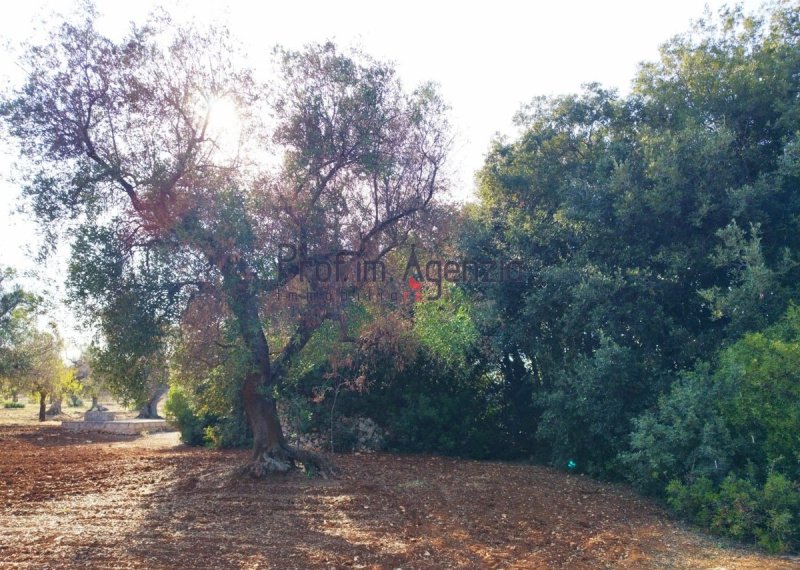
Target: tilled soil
[[91, 501]]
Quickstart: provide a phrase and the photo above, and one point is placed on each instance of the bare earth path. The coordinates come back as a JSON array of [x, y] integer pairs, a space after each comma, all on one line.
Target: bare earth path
[[78, 501]]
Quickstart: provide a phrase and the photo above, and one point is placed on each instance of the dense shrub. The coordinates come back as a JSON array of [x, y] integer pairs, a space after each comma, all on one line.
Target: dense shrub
[[178, 408], [723, 444], [433, 413], [741, 509], [423, 380], [228, 431], [13, 405], [427, 407], [683, 436], [761, 376], [202, 427], [587, 412]]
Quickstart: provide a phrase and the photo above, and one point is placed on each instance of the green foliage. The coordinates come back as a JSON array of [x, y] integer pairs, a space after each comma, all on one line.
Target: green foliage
[[430, 407], [657, 236], [653, 230], [588, 409], [726, 438], [302, 415], [762, 374], [203, 396], [132, 305], [38, 368], [744, 413], [200, 426], [445, 328], [694, 501], [18, 310], [736, 508], [740, 509], [755, 293], [192, 426], [13, 405], [683, 436], [422, 379], [229, 430], [780, 528], [440, 398]]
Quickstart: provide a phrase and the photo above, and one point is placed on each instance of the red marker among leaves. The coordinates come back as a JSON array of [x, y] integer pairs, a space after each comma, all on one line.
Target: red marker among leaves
[[416, 286]]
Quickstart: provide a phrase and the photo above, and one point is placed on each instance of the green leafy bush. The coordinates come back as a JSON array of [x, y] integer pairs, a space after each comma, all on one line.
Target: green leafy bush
[[694, 501], [683, 437], [228, 431], [199, 427], [13, 405], [780, 530], [192, 426], [761, 374], [430, 407], [586, 414], [743, 510], [424, 382], [727, 440]]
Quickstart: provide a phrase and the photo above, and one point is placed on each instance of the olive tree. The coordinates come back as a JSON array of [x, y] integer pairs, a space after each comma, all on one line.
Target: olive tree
[[178, 175]]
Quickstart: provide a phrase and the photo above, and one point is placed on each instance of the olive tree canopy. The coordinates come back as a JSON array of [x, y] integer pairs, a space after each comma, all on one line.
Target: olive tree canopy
[[177, 174]]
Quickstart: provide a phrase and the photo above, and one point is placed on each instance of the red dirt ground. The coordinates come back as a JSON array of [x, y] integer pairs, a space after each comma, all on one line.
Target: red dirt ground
[[91, 501]]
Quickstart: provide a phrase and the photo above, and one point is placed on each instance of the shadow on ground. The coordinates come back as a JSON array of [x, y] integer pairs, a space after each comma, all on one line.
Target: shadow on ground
[[151, 503]]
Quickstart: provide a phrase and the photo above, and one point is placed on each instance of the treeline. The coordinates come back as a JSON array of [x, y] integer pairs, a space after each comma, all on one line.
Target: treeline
[[31, 356], [654, 337], [656, 329]]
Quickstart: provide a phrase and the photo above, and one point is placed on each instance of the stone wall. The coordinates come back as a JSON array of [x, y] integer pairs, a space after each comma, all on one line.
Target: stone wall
[[121, 427]]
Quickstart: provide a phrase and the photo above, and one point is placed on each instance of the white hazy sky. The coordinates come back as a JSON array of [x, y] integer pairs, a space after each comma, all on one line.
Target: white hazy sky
[[488, 57]]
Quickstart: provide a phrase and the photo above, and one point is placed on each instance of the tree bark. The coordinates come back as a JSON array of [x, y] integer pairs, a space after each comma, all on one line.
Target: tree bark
[[42, 406], [96, 406], [260, 408], [14, 397], [262, 414], [271, 452], [55, 407], [150, 409]]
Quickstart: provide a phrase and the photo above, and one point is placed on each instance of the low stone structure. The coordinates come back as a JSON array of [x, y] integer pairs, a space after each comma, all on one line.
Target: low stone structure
[[119, 427], [98, 416], [351, 434]]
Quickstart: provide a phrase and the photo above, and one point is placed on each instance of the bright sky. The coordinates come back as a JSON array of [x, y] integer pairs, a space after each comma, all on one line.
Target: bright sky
[[488, 57]]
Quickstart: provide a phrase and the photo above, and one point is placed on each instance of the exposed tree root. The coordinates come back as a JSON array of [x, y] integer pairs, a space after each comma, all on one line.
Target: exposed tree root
[[285, 459]]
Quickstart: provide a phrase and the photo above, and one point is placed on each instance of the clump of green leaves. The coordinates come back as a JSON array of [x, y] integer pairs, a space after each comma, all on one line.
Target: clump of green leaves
[[179, 409], [724, 443], [767, 513], [684, 435]]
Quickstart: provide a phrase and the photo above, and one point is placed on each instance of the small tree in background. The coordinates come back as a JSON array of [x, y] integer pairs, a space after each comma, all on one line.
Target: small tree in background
[[17, 309], [40, 369]]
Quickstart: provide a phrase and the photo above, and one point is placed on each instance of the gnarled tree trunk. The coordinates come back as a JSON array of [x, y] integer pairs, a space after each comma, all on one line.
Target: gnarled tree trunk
[[271, 452], [55, 407], [149, 410]]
